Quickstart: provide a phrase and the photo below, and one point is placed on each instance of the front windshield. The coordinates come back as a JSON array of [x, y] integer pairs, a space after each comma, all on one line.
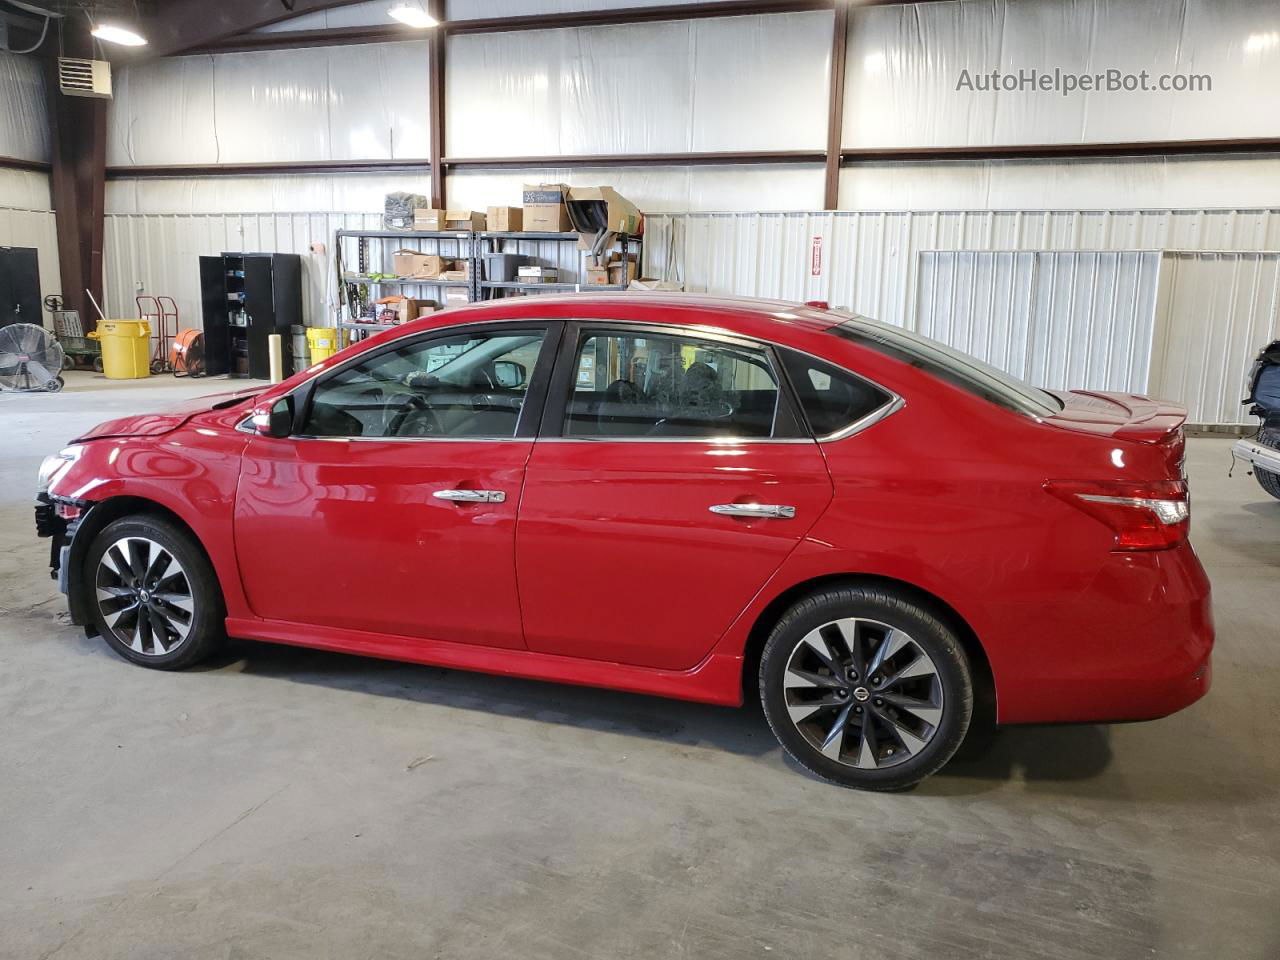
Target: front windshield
[[960, 369]]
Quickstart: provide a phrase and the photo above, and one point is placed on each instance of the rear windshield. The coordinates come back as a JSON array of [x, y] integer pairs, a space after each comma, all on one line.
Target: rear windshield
[[946, 363]]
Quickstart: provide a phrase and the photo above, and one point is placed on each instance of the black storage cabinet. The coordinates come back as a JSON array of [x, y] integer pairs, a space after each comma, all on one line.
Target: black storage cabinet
[[246, 297], [20, 286]]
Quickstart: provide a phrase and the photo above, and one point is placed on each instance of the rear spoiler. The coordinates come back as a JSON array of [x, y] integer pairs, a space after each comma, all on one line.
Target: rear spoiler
[[1149, 421]]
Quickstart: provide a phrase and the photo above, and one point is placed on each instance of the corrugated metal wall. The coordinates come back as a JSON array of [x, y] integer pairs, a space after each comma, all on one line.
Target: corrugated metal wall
[[159, 252], [1216, 311], [870, 258], [1059, 320]]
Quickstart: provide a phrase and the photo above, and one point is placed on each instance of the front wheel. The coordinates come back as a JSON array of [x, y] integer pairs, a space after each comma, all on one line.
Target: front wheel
[[866, 688], [153, 593]]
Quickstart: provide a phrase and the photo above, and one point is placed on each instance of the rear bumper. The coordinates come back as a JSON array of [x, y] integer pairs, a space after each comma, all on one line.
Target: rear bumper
[[1255, 453], [1135, 646]]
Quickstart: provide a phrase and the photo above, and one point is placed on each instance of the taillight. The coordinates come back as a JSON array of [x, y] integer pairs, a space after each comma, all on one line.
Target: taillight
[[1143, 516]]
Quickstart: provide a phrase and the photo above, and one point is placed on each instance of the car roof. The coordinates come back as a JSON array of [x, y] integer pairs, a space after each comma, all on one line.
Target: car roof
[[746, 315]]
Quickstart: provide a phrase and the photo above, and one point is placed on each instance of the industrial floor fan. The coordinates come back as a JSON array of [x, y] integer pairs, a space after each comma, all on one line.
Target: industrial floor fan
[[186, 354], [30, 358]]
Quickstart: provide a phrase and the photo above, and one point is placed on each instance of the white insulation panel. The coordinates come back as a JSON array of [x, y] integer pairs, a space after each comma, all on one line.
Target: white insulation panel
[[358, 102], [735, 83], [906, 64], [24, 128], [771, 187], [1056, 319]]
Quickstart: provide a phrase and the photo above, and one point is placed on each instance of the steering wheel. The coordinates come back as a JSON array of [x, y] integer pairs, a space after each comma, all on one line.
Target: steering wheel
[[414, 405]]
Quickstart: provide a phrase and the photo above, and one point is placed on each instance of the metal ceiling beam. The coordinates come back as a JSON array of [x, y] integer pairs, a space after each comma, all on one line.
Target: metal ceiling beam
[[548, 21], [180, 26], [15, 163], [1047, 151], [171, 171], [700, 159]]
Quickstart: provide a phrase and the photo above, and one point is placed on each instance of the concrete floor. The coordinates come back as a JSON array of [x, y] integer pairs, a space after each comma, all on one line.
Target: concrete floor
[[285, 803]]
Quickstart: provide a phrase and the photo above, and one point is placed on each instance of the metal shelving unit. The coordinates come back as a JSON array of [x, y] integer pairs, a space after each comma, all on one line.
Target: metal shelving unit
[[468, 246], [494, 241]]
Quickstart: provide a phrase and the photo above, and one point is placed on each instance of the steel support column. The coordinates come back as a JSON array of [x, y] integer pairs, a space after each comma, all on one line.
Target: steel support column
[[78, 162]]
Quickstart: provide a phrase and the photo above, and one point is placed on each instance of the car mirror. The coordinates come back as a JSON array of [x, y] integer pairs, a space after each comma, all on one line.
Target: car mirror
[[276, 420], [509, 374]]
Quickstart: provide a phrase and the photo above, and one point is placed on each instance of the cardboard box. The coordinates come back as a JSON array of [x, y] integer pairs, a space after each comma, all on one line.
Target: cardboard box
[[621, 273], [455, 298], [544, 208], [453, 276], [463, 220], [422, 266], [596, 209], [598, 276], [425, 218], [505, 219], [537, 274], [411, 309]]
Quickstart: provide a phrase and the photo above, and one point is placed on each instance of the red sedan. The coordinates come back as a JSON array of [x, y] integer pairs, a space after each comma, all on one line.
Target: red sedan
[[671, 495]]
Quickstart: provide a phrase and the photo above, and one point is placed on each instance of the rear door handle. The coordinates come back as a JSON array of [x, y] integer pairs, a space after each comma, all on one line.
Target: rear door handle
[[471, 496], [777, 511]]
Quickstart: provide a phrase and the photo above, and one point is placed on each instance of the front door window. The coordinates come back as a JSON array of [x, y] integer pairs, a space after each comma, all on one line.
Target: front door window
[[470, 385]]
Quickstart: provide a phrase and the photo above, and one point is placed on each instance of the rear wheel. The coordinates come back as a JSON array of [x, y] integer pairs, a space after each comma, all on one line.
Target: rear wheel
[[153, 594], [866, 688]]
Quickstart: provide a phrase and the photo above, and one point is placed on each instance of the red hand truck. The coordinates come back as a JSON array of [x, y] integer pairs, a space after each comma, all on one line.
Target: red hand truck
[[162, 314]]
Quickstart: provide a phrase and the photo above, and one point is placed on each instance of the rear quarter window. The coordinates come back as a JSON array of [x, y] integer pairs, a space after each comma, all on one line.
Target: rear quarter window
[[833, 399]]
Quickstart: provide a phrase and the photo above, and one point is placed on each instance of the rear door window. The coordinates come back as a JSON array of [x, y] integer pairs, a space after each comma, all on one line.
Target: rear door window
[[662, 386]]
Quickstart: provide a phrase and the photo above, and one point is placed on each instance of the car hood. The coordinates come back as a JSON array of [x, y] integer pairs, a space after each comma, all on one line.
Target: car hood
[[156, 424]]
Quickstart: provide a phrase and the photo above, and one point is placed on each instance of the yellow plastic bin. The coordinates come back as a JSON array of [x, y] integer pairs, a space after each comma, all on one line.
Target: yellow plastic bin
[[125, 348], [322, 342]]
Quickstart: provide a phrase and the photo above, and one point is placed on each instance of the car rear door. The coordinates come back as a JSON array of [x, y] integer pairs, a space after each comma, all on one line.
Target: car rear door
[[391, 509], [671, 478]]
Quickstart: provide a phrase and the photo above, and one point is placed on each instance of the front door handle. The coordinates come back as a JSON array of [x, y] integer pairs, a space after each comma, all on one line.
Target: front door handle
[[778, 511], [471, 496]]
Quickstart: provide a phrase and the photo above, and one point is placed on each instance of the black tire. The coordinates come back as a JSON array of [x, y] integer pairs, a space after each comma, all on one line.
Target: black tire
[[204, 623], [949, 684], [1268, 481], [98, 365]]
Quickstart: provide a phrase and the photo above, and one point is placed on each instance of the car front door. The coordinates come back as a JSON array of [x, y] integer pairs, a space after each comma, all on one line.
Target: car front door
[[391, 508], [671, 478]]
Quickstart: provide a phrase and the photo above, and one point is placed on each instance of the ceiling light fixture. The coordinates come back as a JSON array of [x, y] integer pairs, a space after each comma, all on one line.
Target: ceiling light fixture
[[114, 33], [412, 15]]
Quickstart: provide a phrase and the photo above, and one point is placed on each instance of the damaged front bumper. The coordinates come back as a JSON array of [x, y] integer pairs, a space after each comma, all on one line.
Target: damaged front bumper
[[60, 520]]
